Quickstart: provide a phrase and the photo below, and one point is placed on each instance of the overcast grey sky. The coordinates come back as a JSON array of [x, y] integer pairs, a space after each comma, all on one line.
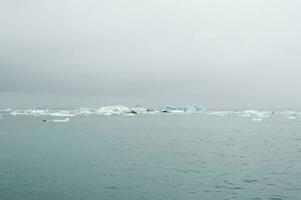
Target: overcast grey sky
[[216, 53]]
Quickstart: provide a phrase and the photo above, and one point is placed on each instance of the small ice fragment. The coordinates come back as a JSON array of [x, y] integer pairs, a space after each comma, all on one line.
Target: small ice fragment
[[61, 120], [245, 115], [262, 115], [291, 117], [219, 113], [62, 114], [85, 111], [187, 109], [257, 119]]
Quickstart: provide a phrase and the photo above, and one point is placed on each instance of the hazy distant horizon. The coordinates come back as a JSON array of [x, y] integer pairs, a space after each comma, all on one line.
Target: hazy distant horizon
[[34, 102], [218, 54]]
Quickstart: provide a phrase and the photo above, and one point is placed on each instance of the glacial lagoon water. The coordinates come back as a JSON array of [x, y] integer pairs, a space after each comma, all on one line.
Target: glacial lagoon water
[[150, 157]]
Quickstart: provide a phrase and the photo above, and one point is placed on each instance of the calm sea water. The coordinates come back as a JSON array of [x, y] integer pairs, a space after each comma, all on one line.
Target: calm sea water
[[150, 157]]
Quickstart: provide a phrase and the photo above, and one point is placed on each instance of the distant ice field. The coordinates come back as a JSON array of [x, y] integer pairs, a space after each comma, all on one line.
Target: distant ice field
[[255, 115]]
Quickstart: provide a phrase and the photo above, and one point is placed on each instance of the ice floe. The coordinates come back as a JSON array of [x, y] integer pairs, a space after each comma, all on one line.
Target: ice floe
[[220, 113], [84, 111], [257, 119], [291, 117], [184, 109], [62, 114], [33, 112], [61, 120]]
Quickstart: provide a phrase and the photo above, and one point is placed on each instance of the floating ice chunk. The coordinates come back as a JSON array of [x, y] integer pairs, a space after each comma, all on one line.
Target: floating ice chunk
[[170, 109], [245, 115], [139, 110], [194, 108], [130, 114], [257, 119], [39, 112], [17, 112], [61, 120], [250, 112], [220, 113], [113, 110], [33, 112], [177, 111], [288, 112], [291, 117], [263, 114], [254, 113], [62, 114], [84, 111], [188, 109]]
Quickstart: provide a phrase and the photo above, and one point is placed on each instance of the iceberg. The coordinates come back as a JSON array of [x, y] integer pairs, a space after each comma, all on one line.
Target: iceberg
[[170, 109], [112, 110], [139, 110], [185, 109]]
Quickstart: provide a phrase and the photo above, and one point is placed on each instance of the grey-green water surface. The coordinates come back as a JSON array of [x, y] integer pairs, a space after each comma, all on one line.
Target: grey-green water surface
[[150, 157]]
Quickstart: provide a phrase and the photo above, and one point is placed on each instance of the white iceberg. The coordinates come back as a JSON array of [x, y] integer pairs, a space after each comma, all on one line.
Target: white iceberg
[[185, 109], [112, 110], [139, 110]]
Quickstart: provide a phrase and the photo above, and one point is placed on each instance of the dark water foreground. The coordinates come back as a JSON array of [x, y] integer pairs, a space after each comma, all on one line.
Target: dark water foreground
[[150, 157]]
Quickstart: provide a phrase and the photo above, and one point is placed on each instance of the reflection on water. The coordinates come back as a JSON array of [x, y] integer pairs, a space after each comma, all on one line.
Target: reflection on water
[[150, 157]]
